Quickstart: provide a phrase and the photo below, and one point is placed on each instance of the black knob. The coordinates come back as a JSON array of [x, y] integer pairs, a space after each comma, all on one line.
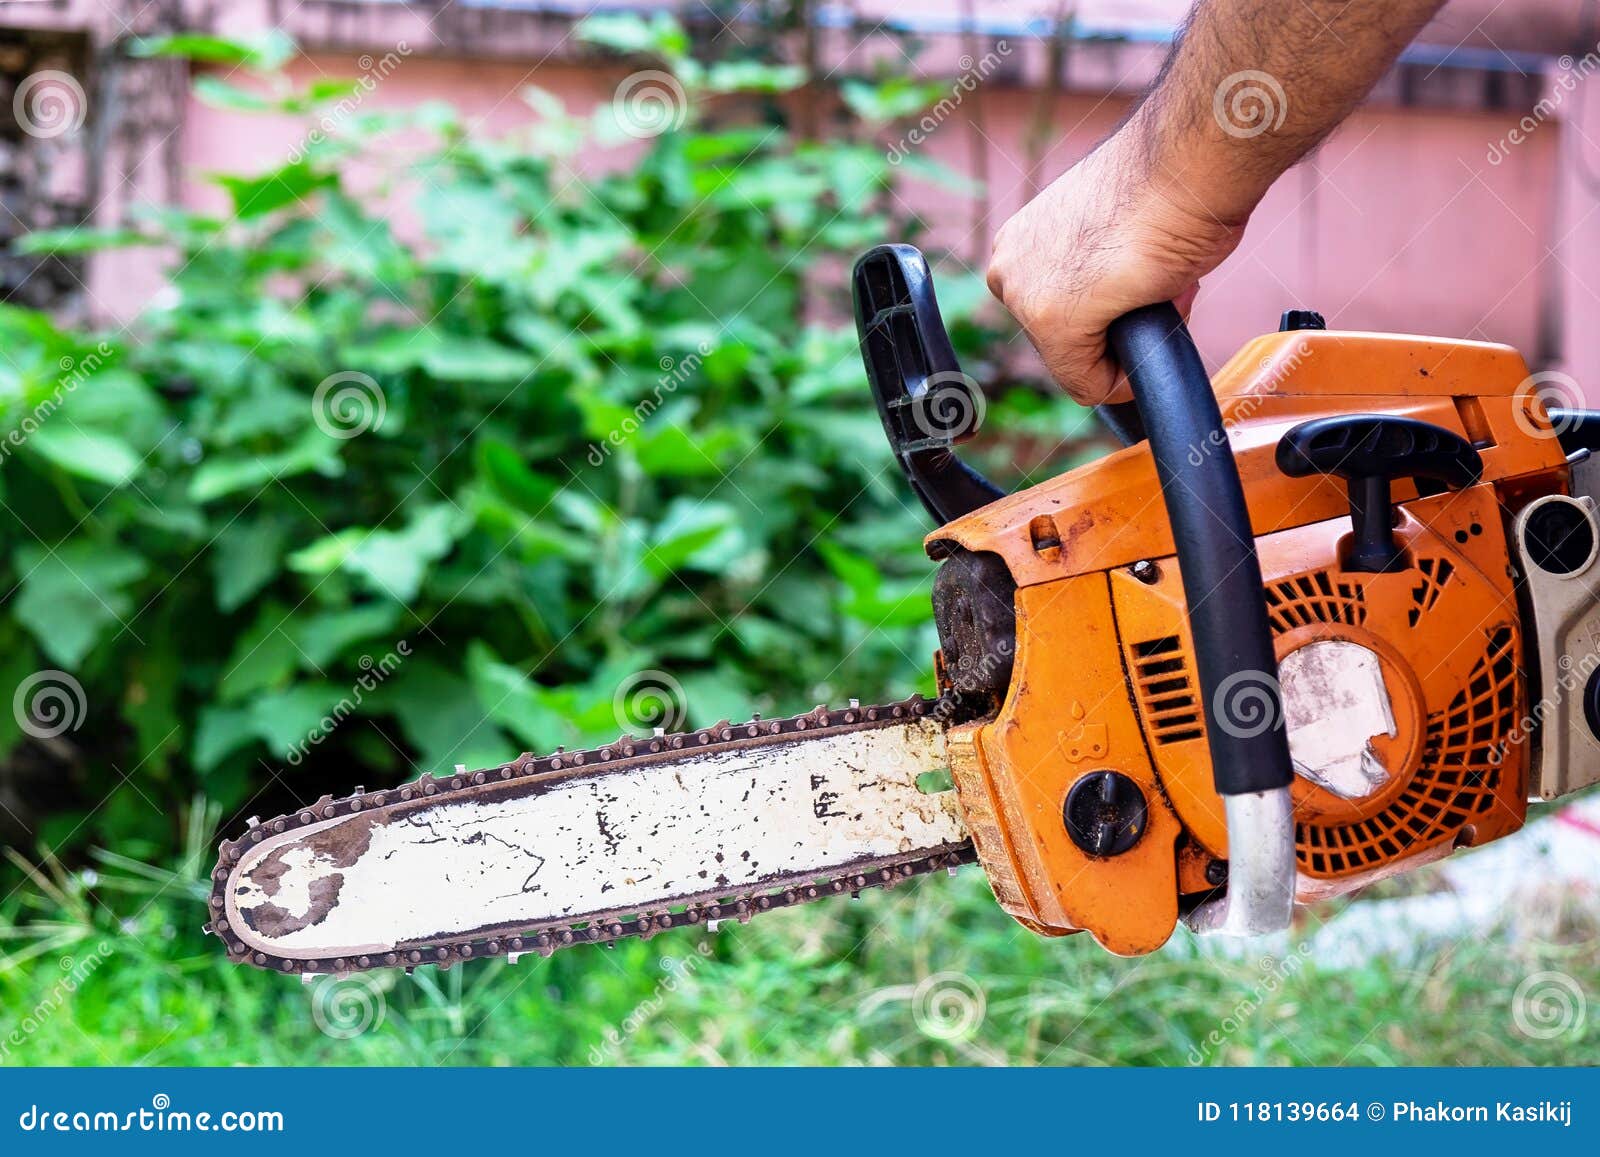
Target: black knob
[[1301, 319], [1104, 813], [1369, 451]]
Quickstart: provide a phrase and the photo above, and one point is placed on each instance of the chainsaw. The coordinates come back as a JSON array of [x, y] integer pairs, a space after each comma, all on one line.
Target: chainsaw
[[1323, 618]]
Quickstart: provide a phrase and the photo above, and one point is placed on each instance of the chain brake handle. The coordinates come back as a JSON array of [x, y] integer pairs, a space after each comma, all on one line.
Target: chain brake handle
[[927, 405]]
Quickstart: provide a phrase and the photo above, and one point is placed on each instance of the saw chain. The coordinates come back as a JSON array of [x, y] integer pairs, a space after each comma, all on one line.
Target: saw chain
[[562, 768]]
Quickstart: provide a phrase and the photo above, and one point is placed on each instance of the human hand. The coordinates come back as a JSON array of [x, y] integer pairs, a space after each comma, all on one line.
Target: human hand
[[1105, 237]]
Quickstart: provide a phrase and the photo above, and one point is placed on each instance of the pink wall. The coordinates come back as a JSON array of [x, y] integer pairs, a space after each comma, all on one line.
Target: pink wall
[[1398, 223]]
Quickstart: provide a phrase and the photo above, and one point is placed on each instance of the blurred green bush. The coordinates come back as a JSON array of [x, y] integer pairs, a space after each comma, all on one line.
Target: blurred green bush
[[353, 500]]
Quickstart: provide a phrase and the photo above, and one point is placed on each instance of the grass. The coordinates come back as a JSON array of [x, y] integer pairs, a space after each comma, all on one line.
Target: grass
[[109, 967]]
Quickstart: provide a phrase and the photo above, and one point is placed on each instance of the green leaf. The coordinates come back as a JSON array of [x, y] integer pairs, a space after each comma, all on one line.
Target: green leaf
[[264, 656], [509, 477], [323, 637], [874, 599], [671, 451], [690, 531], [72, 595], [659, 35], [291, 184], [753, 76], [441, 717], [218, 93], [267, 53], [246, 556], [218, 477], [476, 360], [79, 239], [291, 720], [392, 561], [219, 733], [89, 454]]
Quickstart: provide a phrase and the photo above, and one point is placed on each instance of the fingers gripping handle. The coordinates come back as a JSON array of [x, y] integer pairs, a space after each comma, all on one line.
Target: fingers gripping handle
[[1234, 658]]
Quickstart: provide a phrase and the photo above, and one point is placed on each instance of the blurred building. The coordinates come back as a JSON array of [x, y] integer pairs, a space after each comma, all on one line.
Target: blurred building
[[1461, 200]]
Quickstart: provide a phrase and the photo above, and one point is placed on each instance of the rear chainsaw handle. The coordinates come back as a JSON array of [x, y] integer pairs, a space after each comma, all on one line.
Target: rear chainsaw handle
[[927, 405]]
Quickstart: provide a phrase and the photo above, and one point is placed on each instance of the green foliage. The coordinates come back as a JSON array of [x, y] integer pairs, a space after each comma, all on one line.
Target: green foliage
[[932, 973], [541, 425]]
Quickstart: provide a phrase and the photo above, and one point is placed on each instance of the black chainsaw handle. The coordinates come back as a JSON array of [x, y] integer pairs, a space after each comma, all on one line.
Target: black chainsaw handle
[[1216, 549], [927, 405]]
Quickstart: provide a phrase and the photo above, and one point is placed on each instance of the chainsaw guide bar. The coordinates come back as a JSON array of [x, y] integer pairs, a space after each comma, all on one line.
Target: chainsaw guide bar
[[318, 891]]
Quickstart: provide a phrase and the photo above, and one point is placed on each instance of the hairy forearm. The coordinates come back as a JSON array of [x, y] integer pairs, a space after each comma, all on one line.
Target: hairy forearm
[[1254, 85]]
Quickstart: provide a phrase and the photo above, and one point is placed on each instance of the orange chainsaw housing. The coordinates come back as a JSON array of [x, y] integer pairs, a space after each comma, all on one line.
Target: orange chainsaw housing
[[1104, 668]]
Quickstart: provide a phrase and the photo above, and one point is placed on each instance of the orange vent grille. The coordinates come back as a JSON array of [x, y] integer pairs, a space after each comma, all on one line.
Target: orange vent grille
[[1314, 598], [1435, 573], [1166, 692], [1458, 778]]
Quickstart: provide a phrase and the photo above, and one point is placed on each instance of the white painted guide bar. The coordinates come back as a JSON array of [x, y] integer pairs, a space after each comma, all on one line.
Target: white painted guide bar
[[719, 823]]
